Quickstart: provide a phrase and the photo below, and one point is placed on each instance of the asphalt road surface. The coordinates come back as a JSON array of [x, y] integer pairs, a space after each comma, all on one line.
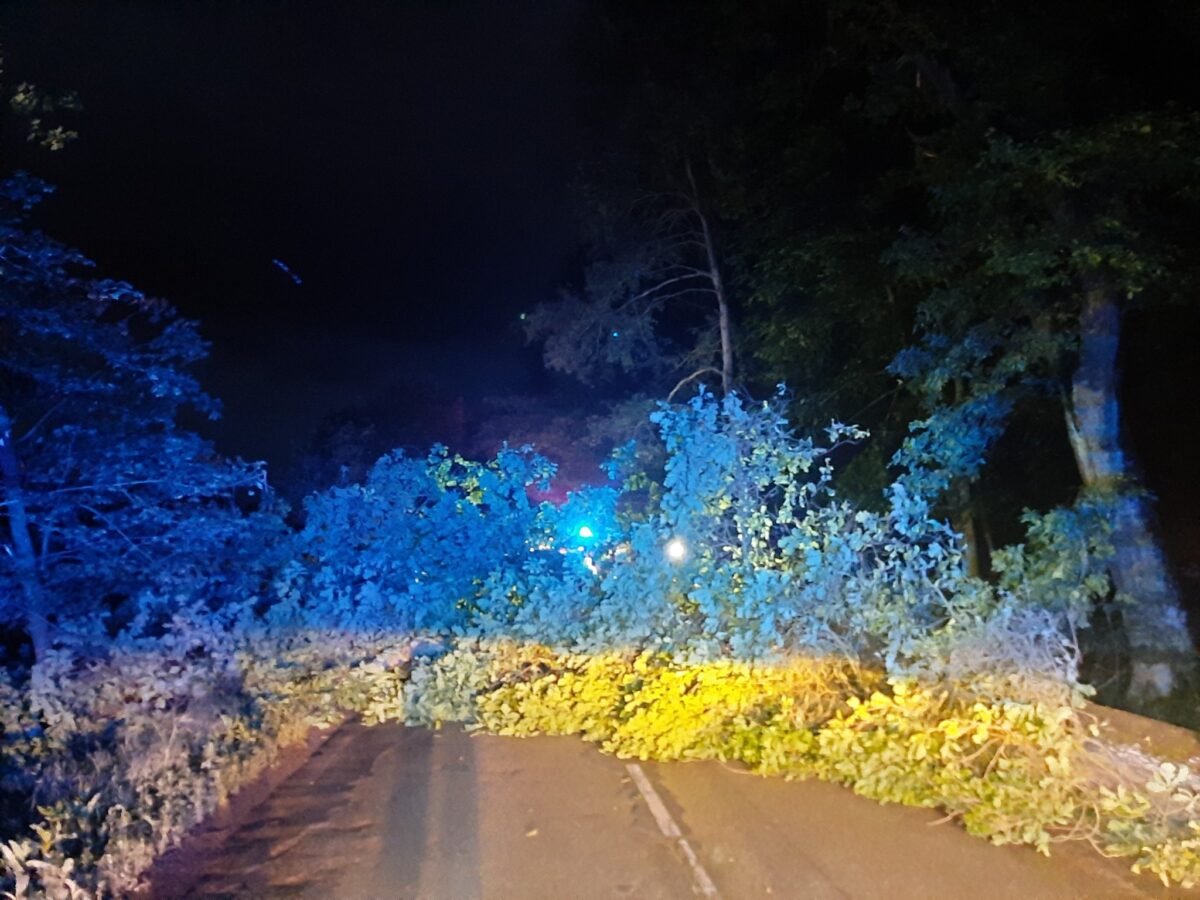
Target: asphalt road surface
[[395, 812]]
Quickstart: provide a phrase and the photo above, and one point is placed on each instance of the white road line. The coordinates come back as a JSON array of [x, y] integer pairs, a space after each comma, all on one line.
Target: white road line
[[667, 826]]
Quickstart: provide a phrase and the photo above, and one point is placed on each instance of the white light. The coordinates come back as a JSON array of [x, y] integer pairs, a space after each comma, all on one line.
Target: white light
[[675, 549], [585, 532]]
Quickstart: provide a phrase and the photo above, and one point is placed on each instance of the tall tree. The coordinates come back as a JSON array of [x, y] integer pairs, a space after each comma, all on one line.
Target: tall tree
[[1038, 250], [663, 175], [655, 261], [991, 186], [102, 492], [1044, 189]]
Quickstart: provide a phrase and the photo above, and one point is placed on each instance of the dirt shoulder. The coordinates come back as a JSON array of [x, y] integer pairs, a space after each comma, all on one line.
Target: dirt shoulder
[[176, 871]]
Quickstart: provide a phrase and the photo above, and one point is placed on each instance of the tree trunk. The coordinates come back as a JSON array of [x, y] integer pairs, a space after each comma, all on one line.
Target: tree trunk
[[965, 523], [722, 316], [24, 555], [1160, 647], [718, 283], [964, 516]]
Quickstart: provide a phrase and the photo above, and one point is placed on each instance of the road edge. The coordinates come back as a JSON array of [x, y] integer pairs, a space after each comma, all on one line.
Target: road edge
[[174, 873]]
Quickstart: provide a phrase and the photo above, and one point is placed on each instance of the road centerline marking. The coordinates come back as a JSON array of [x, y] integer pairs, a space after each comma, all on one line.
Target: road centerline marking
[[670, 830]]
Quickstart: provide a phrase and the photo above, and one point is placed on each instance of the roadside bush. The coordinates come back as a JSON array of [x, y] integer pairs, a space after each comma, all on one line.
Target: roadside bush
[[121, 752]]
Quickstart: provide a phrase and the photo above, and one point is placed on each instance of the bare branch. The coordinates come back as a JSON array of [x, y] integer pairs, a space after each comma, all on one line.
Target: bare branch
[[661, 285], [38, 424], [707, 370]]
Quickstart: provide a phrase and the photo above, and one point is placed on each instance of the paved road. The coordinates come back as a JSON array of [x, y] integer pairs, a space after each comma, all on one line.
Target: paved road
[[393, 812]]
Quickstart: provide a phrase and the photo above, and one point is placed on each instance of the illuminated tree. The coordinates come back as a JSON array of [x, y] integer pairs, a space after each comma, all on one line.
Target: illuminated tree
[[1041, 247], [937, 185], [102, 491]]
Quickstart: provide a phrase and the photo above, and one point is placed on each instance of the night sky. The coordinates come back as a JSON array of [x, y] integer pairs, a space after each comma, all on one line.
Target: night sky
[[408, 161]]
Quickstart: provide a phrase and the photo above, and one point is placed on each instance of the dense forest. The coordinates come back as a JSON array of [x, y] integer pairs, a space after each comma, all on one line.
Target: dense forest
[[940, 224], [882, 320]]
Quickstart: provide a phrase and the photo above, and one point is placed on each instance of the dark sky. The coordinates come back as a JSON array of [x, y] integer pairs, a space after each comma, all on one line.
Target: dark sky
[[409, 160]]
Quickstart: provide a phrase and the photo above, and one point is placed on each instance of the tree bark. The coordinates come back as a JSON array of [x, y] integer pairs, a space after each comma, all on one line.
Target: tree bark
[[718, 283], [1161, 649], [964, 515], [24, 555], [965, 523], [722, 314]]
